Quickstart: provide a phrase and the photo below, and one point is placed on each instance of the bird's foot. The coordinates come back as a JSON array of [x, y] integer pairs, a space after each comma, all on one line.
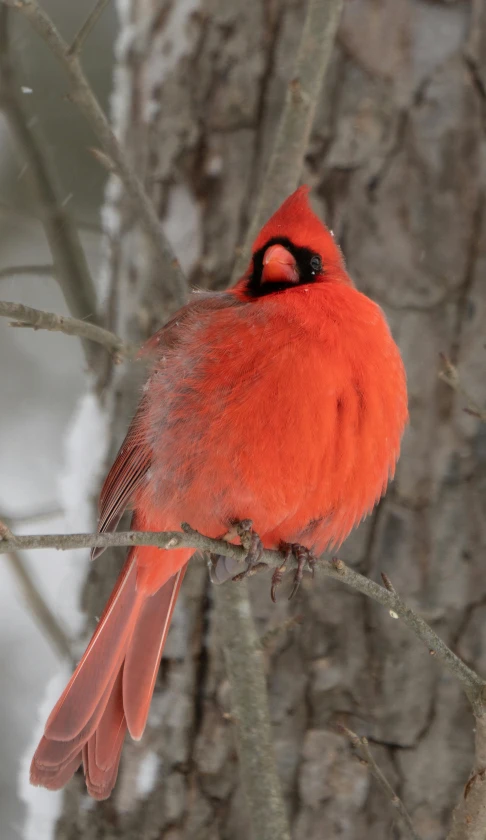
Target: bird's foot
[[304, 556], [253, 545], [279, 572]]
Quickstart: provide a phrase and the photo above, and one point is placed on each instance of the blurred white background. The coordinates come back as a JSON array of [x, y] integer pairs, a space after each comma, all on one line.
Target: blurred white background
[[41, 381]]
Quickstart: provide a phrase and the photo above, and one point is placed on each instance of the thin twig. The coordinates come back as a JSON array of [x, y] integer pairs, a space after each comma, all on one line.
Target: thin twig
[[6, 534], [40, 270], [450, 375], [37, 515], [473, 685], [293, 132], [469, 815], [89, 24], [269, 637], [25, 316], [105, 161], [30, 215], [362, 747], [70, 265], [38, 606], [83, 96]]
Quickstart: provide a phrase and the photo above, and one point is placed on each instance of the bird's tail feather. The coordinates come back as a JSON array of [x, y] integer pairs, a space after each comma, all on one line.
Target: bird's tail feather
[[111, 688]]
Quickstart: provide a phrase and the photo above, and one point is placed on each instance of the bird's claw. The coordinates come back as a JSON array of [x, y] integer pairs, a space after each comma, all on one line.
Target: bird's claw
[[278, 574], [254, 548], [304, 556], [253, 545]]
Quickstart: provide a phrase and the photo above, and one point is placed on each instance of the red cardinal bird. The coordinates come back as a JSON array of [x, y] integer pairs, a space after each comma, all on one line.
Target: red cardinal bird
[[283, 401]]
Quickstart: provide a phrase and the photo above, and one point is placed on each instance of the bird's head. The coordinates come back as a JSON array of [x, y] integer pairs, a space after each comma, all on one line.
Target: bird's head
[[293, 249]]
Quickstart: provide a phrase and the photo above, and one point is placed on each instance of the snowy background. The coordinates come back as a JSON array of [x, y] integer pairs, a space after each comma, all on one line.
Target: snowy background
[[52, 438], [45, 420]]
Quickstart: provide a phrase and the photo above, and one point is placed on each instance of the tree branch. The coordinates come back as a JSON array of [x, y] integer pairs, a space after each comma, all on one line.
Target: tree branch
[[362, 747], [273, 633], [450, 375], [473, 685], [35, 600], [40, 270], [30, 214], [245, 667], [89, 24], [70, 264], [38, 606], [293, 132], [84, 98], [25, 316], [37, 515], [469, 815]]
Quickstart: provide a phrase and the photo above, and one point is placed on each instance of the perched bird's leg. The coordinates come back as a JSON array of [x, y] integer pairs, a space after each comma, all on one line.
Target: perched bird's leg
[[278, 574], [253, 545], [304, 556]]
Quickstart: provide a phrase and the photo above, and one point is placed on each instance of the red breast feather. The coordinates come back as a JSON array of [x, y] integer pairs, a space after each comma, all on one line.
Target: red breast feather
[[288, 411]]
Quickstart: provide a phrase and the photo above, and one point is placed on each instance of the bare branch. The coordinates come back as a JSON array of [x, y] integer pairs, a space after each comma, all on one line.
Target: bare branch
[[70, 264], [30, 214], [269, 637], [6, 534], [25, 316], [469, 815], [450, 375], [41, 270], [293, 132], [473, 685], [163, 540], [104, 160], [246, 673], [38, 606], [362, 747], [37, 515], [83, 96], [89, 24]]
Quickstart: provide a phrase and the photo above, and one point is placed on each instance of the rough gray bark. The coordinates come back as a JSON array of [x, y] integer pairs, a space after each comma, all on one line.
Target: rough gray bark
[[397, 165]]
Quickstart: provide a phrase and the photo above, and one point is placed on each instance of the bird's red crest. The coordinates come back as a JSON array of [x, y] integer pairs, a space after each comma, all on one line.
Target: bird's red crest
[[295, 220]]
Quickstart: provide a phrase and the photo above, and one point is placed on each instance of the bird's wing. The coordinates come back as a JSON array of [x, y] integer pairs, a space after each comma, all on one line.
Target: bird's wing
[[134, 457]]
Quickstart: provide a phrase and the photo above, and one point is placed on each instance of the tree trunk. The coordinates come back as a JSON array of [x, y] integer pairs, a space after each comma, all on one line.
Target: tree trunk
[[396, 164]]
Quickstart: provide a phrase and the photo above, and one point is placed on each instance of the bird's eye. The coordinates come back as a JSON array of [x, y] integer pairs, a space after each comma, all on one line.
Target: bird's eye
[[316, 264]]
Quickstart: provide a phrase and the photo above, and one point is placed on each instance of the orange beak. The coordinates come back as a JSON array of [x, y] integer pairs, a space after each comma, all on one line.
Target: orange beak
[[279, 266]]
